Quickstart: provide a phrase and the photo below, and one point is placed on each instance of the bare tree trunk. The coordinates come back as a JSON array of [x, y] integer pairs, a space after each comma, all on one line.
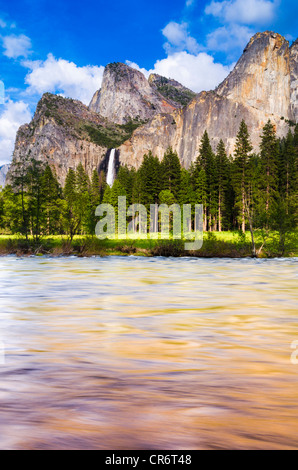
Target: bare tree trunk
[[250, 223], [219, 212], [243, 211]]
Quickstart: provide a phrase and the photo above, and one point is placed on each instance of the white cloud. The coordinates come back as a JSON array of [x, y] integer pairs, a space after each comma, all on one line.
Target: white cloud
[[178, 38], [59, 75], [2, 23], [189, 3], [16, 46], [12, 117], [243, 11], [197, 72], [227, 38]]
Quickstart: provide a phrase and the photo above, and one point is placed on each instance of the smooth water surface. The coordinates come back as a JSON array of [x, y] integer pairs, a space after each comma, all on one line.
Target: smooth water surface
[[132, 353]]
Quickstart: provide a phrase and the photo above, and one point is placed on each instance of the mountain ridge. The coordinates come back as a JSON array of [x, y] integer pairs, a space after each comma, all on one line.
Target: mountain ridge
[[135, 117], [262, 86]]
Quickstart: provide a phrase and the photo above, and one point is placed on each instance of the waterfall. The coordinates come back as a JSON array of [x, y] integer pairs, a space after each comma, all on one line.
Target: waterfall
[[111, 168]]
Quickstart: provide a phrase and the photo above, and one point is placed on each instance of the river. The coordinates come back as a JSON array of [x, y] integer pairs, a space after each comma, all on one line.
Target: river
[[148, 353]]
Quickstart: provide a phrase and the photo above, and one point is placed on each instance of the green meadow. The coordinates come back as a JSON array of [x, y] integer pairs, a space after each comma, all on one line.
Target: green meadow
[[215, 244]]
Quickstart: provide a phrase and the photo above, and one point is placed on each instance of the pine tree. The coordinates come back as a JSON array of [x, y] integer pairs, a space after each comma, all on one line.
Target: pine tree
[[116, 191], [222, 171], [95, 189], [126, 179], [71, 214], [83, 201], [171, 172], [107, 195], [202, 195], [287, 170], [206, 162], [150, 180], [240, 171], [35, 195], [12, 217], [186, 194], [269, 164], [95, 199], [52, 201], [19, 185]]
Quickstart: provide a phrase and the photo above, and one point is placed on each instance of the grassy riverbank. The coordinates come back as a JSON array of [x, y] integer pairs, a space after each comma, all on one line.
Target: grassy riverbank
[[216, 244]]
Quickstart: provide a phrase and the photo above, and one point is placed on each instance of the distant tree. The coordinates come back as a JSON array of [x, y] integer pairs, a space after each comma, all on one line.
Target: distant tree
[[167, 197], [171, 172], [35, 196], [288, 171], [52, 201], [14, 205], [72, 215], [116, 191], [83, 202], [150, 182], [222, 171], [202, 194], [206, 163], [240, 171], [126, 179], [187, 194], [19, 185], [269, 166], [95, 199]]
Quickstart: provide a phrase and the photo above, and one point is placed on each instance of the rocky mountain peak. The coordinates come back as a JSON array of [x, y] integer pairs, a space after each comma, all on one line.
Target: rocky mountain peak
[[261, 77], [136, 115], [126, 95], [261, 40], [263, 85], [64, 133]]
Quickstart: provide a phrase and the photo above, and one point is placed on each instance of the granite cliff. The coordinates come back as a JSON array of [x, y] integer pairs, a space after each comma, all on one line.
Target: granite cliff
[[127, 95], [262, 86], [64, 132]]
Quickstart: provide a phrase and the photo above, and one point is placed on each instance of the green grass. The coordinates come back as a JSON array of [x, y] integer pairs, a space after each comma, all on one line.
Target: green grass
[[216, 244]]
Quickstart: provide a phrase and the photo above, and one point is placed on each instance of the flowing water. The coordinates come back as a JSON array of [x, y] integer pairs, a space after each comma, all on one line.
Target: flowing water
[[133, 353], [111, 168]]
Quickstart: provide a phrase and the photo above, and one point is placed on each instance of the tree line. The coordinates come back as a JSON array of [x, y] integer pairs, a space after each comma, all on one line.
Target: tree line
[[245, 191]]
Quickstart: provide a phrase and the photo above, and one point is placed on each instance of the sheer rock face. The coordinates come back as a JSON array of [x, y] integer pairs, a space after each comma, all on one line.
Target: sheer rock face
[[57, 136], [294, 80], [262, 86], [177, 94], [261, 78], [126, 95]]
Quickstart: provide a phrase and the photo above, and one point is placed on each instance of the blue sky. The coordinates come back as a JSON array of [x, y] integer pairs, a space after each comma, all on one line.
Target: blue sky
[[63, 46]]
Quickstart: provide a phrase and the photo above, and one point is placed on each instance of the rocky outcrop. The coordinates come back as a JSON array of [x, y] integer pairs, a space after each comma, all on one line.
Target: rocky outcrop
[[126, 95], [65, 132], [3, 173], [262, 86], [173, 91]]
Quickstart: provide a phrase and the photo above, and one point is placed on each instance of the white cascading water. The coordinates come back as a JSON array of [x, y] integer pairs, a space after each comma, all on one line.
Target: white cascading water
[[111, 173]]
